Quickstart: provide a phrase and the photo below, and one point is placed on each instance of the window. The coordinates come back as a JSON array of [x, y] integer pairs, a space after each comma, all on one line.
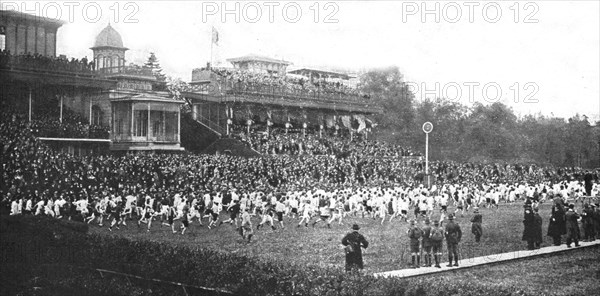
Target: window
[[96, 115], [156, 129], [141, 123], [119, 126]]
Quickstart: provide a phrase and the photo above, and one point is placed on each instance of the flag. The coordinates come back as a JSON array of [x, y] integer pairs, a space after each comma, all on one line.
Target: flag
[[361, 122], [346, 121], [215, 36]]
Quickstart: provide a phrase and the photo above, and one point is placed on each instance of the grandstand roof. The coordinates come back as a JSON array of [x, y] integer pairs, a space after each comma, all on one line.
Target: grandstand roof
[[16, 15], [257, 58]]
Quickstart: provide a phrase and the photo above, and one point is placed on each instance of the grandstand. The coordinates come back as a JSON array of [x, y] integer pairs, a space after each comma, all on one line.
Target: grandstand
[[257, 96], [83, 105]]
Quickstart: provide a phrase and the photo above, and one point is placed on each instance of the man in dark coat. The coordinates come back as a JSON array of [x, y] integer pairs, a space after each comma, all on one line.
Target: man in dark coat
[[453, 236], [588, 178], [572, 222], [557, 226], [587, 219], [572, 219], [529, 227], [354, 242], [537, 223], [476, 228]]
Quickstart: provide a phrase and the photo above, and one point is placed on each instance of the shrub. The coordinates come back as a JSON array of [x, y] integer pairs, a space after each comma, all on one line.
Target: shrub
[[35, 242]]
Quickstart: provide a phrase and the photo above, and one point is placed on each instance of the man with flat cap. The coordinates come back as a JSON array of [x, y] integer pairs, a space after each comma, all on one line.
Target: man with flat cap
[[353, 243], [453, 236]]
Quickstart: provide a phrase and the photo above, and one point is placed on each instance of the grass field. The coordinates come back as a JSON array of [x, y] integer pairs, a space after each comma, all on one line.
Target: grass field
[[575, 272], [388, 248]]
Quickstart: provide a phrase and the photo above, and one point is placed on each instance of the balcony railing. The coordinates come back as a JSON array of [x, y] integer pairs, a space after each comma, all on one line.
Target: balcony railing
[[39, 63], [48, 64], [127, 70], [308, 94]]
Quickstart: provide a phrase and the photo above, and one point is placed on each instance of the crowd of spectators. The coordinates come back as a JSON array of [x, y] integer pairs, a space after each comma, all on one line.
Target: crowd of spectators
[[46, 122], [48, 63], [70, 127], [313, 142], [239, 80], [34, 171]]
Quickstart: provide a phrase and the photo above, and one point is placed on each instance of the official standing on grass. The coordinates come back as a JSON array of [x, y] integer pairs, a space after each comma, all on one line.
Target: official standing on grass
[[414, 234], [556, 225], [537, 222], [353, 243], [436, 237], [453, 236], [572, 219], [529, 227], [476, 228]]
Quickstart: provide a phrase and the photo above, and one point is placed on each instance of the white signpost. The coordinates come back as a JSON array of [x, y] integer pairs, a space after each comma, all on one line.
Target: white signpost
[[427, 128]]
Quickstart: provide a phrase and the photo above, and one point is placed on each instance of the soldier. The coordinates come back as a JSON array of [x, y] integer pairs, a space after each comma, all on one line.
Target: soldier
[[453, 236], [414, 234], [587, 218], [572, 219], [427, 242], [354, 242], [436, 236], [476, 228]]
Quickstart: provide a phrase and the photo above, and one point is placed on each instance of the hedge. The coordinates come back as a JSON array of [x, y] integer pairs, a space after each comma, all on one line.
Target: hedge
[[30, 243]]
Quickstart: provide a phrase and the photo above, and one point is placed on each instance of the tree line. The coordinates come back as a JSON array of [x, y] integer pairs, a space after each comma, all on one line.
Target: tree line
[[478, 133]]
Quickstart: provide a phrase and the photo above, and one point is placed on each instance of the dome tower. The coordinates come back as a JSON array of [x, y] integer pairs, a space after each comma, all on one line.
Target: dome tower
[[109, 53]]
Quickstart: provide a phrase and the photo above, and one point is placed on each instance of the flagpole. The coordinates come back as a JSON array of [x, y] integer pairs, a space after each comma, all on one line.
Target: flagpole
[[211, 46]]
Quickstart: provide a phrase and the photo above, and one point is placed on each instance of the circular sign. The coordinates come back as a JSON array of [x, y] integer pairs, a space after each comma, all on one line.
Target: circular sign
[[427, 127]]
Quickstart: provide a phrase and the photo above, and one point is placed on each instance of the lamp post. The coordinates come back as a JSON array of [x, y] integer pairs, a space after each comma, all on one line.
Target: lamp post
[[304, 126], [427, 128], [249, 123]]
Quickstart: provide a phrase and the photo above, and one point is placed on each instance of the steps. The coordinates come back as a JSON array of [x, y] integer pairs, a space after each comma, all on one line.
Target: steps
[[196, 136]]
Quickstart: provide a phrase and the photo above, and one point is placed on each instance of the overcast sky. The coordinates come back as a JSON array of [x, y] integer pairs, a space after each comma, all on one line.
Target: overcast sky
[[548, 51]]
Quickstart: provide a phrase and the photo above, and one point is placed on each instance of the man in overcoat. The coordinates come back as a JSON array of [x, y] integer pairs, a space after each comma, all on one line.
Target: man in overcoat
[[572, 219], [353, 243], [557, 225]]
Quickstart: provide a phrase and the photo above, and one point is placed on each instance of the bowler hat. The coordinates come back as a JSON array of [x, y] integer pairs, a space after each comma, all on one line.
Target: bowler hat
[[355, 227]]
